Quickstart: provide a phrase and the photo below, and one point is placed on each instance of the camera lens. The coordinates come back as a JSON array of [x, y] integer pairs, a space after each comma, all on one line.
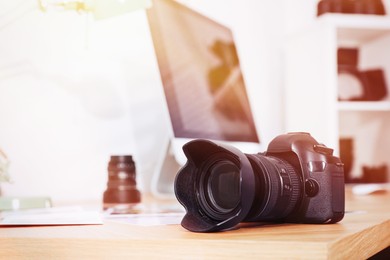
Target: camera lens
[[278, 188], [223, 186], [219, 188], [121, 194]]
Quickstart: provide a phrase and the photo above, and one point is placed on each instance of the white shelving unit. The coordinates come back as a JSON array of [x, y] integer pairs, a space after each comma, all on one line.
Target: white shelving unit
[[311, 85], [364, 105]]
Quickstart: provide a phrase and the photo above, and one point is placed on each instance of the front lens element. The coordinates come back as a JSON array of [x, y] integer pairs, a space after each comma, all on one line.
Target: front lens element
[[219, 188], [223, 186]]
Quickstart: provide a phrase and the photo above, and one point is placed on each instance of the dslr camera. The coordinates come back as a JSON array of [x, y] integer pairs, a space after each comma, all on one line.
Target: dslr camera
[[297, 180]]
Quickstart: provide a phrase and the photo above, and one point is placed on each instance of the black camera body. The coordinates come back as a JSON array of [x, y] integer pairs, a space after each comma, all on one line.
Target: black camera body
[[322, 178], [297, 180]]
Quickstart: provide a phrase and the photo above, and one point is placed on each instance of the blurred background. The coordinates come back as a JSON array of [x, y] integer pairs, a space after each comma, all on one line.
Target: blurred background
[[75, 89]]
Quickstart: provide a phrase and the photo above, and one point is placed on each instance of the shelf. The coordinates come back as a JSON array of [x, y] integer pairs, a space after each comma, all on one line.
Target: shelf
[[357, 28], [312, 69], [357, 21], [364, 105]]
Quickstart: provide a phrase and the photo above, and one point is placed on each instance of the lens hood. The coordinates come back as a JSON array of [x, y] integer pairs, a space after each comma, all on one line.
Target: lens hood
[[188, 178]]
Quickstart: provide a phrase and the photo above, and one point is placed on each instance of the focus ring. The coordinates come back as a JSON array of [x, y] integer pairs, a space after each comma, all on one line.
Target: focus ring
[[295, 184], [278, 188]]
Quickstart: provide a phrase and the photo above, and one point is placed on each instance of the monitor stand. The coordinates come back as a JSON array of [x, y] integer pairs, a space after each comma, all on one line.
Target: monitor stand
[[165, 173]]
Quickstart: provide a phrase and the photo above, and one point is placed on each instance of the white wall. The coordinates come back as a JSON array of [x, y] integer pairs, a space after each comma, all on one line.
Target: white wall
[[73, 91]]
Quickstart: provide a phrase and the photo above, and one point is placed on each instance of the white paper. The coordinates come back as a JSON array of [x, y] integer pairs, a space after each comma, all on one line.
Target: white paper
[[147, 219], [50, 216]]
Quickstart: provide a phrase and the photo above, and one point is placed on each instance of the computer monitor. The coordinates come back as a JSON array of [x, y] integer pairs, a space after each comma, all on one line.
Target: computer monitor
[[203, 84]]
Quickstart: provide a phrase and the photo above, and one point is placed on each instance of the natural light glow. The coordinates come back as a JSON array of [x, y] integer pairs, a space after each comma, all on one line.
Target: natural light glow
[[99, 8]]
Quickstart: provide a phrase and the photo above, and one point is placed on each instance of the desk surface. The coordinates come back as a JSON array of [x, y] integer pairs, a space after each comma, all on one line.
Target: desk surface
[[362, 233]]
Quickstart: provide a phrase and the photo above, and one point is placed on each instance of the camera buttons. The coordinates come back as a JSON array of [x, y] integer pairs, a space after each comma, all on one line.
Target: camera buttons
[[311, 187], [320, 148]]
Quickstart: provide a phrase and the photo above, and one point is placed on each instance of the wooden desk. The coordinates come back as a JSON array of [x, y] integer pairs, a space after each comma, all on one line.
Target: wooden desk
[[361, 234]]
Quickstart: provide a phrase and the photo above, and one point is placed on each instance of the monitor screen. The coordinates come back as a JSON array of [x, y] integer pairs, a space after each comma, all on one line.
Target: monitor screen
[[201, 75]]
